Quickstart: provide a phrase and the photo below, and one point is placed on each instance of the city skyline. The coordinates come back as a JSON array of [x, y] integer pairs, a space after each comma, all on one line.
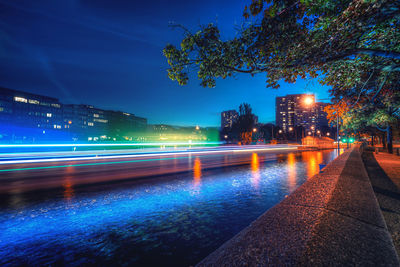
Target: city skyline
[[102, 60], [89, 105]]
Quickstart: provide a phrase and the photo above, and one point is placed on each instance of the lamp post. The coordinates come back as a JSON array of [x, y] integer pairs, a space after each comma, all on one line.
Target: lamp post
[[337, 131]]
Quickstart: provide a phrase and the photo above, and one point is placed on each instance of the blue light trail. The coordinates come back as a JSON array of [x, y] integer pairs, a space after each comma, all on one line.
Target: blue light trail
[[44, 156]]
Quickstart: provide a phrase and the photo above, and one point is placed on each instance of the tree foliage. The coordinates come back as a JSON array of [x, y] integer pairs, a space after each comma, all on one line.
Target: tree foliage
[[293, 39], [353, 46]]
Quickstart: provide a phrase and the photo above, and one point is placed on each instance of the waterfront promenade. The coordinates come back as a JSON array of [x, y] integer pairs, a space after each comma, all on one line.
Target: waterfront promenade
[[332, 219]]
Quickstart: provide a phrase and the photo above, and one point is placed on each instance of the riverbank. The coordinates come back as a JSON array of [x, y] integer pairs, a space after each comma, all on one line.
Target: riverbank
[[332, 219]]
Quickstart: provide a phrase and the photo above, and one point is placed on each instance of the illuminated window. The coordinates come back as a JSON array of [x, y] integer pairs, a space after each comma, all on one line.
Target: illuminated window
[[1, 109], [96, 115], [101, 120], [49, 115], [90, 123], [56, 105], [32, 101], [20, 99]]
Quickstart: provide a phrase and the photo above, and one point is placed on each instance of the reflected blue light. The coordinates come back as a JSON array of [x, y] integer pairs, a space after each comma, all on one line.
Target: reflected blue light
[[146, 216]]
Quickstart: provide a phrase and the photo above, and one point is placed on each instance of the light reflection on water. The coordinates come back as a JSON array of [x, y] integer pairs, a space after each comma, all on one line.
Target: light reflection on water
[[197, 172], [255, 171], [175, 220], [292, 175], [67, 185]]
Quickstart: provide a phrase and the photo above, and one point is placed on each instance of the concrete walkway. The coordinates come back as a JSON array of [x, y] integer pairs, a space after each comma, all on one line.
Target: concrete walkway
[[333, 219], [384, 172]]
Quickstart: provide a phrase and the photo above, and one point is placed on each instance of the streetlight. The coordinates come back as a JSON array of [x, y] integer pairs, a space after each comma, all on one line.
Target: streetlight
[[254, 129], [197, 127], [328, 134], [308, 100]]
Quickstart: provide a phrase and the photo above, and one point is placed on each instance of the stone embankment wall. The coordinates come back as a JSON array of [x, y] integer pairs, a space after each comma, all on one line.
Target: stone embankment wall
[[332, 219]]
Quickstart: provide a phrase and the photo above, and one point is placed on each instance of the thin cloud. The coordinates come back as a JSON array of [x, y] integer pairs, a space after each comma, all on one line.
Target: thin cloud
[[88, 23]]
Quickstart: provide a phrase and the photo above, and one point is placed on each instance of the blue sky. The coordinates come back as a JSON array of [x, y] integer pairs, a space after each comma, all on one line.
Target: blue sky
[[109, 54]]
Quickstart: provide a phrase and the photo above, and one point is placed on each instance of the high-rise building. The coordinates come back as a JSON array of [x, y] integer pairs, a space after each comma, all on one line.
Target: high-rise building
[[299, 110], [322, 120], [228, 118]]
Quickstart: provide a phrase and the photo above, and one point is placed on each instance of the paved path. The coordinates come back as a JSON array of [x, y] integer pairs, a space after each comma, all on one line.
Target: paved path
[[384, 172], [333, 219]]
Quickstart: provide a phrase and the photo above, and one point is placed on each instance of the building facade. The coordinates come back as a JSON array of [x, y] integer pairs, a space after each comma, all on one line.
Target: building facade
[[228, 118], [321, 118], [30, 117], [299, 110]]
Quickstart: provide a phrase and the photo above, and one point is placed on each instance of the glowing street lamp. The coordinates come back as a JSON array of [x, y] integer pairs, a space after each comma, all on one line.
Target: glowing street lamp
[[280, 131], [328, 134], [197, 127], [308, 100], [318, 131], [290, 129], [309, 133], [254, 129]]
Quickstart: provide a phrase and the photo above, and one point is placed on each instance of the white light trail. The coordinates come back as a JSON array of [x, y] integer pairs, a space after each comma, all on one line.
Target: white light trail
[[113, 144], [127, 156]]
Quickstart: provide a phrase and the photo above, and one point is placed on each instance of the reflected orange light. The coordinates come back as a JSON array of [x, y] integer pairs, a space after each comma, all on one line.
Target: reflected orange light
[[319, 157], [68, 189], [292, 179], [68, 184], [313, 159], [197, 171], [255, 170], [312, 163]]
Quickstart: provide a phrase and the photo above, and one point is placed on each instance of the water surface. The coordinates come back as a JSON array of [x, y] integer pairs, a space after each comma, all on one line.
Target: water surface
[[173, 220]]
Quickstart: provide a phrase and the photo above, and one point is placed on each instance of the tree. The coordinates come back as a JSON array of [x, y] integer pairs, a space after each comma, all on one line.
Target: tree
[[245, 123], [293, 38], [351, 45], [268, 131]]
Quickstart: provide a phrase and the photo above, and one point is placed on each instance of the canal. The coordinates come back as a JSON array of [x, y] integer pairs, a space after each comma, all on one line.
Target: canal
[[171, 220]]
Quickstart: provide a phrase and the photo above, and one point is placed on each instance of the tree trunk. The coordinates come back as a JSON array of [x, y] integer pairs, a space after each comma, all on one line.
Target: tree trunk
[[389, 139], [372, 140]]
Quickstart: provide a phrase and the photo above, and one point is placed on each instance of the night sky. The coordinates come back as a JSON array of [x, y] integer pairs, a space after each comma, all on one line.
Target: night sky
[[109, 54]]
